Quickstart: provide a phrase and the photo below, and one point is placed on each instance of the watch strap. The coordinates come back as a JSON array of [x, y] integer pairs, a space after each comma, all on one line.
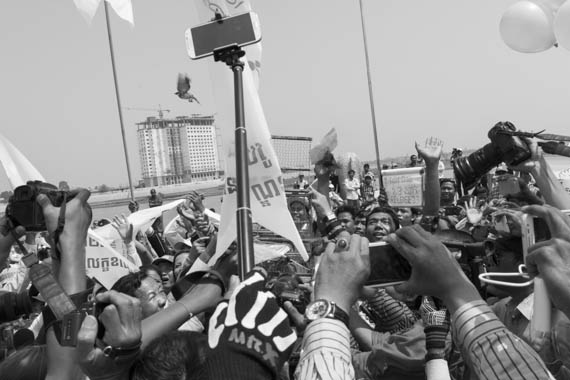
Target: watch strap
[[339, 314]]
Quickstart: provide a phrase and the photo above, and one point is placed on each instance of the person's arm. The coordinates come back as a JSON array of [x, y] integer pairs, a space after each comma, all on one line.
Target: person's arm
[[388, 313], [122, 322], [399, 353], [550, 187], [431, 154], [489, 349], [201, 298], [62, 361], [326, 344], [551, 258]]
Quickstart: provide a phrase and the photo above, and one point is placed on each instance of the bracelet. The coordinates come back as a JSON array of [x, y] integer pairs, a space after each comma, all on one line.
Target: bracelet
[[190, 314], [440, 354]]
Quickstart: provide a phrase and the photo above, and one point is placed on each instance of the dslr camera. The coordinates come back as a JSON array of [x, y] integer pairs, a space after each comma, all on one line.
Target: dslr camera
[[502, 148], [23, 210]]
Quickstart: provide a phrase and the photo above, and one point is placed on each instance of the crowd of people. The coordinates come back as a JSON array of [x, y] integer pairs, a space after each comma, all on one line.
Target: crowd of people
[[289, 319]]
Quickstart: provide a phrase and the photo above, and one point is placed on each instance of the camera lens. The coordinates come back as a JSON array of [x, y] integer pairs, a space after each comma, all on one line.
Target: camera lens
[[469, 169]]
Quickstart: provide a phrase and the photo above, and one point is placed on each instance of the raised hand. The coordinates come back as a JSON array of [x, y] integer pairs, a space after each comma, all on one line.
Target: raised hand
[[431, 151], [78, 217], [320, 203], [474, 210], [196, 200], [123, 227]]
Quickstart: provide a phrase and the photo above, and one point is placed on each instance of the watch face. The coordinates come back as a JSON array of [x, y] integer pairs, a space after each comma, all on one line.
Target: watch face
[[318, 309]]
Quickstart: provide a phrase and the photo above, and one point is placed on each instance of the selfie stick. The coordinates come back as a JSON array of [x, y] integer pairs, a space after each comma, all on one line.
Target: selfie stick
[[231, 56]]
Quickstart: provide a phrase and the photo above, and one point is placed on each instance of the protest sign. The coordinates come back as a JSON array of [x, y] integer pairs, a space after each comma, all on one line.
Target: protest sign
[[103, 263], [404, 187]]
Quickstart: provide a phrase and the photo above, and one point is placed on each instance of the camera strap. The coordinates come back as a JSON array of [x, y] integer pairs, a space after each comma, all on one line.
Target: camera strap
[[43, 280], [59, 228]]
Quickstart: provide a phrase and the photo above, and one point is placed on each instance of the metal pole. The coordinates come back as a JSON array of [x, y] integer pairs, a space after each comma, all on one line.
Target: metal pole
[[243, 213], [371, 95], [119, 101]]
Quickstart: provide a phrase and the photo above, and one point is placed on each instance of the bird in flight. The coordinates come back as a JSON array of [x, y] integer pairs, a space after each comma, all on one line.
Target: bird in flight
[[183, 87]]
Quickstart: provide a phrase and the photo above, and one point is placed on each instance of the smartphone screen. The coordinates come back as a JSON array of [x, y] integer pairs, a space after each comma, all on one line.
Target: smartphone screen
[[233, 30], [387, 266]]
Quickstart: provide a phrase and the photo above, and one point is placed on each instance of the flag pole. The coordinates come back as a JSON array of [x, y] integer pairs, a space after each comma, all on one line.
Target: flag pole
[[119, 101], [371, 96]]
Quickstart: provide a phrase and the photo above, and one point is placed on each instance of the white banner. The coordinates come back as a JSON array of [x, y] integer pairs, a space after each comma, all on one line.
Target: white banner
[[17, 167], [88, 8], [267, 193]]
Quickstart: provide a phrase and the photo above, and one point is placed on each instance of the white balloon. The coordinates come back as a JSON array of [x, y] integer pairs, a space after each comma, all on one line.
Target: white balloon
[[526, 27], [562, 25]]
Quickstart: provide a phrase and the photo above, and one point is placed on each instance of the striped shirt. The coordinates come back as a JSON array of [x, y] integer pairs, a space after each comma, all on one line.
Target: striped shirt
[[326, 352], [490, 350]]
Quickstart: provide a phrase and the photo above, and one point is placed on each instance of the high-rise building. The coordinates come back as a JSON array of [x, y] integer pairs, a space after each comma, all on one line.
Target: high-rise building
[[183, 149]]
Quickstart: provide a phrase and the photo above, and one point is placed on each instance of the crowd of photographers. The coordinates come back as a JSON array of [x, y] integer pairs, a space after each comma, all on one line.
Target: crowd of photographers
[[322, 319]]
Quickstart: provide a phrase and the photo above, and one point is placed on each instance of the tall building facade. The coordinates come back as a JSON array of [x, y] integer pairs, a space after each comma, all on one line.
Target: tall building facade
[[183, 149]]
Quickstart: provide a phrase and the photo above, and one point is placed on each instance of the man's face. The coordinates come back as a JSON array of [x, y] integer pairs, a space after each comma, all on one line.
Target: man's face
[[152, 296], [298, 211], [414, 159], [404, 216], [347, 221], [179, 263], [360, 225], [366, 168], [351, 174], [165, 272], [153, 192], [447, 191], [380, 225]]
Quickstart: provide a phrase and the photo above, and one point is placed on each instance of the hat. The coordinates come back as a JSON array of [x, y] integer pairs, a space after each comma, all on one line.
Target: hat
[[368, 175], [164, 258], [331, 186]]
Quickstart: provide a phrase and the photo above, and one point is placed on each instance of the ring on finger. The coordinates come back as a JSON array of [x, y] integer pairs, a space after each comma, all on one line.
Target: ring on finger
[[342, 243]]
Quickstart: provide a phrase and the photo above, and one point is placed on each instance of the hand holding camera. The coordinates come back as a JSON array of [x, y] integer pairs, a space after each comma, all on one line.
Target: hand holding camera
[[122, 321], [76, 219], [551, 258], [434, 271], [343, 269]]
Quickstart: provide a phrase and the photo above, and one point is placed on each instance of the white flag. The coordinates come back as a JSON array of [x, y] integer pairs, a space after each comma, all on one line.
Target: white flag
[[18, 169], [88, 8], [267, 192]]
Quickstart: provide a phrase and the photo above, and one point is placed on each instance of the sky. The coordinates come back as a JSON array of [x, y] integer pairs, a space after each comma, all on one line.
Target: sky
[[439, 68]]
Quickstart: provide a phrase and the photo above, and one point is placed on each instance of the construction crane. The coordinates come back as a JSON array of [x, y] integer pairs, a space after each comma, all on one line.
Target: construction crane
[[159, 110]]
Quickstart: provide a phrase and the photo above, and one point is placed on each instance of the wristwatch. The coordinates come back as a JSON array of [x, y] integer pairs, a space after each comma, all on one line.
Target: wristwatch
[[322, 308]]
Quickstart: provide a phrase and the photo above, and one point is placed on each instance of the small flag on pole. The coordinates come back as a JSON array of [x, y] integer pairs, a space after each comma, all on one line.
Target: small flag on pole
[[123, 8]]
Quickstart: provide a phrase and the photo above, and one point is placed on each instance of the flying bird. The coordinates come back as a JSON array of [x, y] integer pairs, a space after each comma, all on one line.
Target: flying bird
[[183, 87]]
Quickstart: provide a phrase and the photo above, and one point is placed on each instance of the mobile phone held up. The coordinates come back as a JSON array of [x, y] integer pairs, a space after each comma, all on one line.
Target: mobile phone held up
[[387, 266], [240, 30]]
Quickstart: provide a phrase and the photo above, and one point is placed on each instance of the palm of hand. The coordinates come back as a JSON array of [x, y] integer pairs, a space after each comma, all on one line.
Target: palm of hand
[[431, 151]]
